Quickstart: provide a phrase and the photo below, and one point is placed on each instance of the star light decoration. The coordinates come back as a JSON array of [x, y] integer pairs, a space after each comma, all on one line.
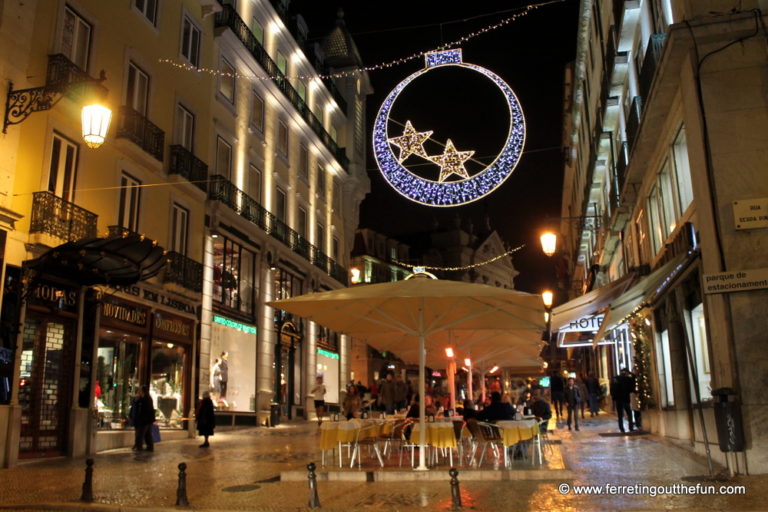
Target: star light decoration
[[447, 193], [411, 142]]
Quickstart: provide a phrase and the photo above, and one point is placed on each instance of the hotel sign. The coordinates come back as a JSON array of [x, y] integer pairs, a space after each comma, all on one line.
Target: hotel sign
[[589, 323]]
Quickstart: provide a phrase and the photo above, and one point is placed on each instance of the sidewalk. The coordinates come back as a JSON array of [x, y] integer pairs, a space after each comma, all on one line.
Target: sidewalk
[[240, 469]]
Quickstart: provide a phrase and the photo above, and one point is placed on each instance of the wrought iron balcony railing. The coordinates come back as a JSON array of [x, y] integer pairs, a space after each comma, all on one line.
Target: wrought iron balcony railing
[[650, 63], [228, 18], [187, 165], [182, 270], [133, 126], [633, 120], [54, 216], [222, 190]]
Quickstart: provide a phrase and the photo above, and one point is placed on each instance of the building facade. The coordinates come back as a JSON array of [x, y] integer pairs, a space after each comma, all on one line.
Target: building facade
[[665, 129], [224, 182]]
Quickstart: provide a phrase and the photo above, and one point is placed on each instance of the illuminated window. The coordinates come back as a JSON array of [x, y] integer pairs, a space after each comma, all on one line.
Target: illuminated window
[[282, 138], [227, 81], [130, 202], [257, 112], [190, 41], [223, 158]]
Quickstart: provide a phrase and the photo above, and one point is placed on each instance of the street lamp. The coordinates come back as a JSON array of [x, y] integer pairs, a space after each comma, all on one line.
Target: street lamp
[[95, 119], [547, 297], [549, 243], [451, 375], [355, 277]]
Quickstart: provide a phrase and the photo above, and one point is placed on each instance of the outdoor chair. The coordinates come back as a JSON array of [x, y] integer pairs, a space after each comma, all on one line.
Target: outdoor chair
[[486, 435], [366, 435]]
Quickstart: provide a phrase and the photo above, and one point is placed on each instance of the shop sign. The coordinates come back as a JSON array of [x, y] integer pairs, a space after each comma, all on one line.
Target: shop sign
[[738, 281], [248, 329], [171, 326], [588, 323], [158, 298], [124, 312], [53, 295], [325, 353], [751, 213]]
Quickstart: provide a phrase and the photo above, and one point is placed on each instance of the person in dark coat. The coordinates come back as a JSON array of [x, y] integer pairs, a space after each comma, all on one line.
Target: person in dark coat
[[573, 398], [143, 416], [542, 410], [621, 388], [206, 419], [498, 410]]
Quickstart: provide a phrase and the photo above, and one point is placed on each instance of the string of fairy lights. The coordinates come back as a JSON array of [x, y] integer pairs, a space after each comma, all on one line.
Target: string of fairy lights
[[462, 267], [524, 11]]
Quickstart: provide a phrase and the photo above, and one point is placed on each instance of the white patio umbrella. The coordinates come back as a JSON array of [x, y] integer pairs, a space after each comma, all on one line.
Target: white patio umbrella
[[418, 309]]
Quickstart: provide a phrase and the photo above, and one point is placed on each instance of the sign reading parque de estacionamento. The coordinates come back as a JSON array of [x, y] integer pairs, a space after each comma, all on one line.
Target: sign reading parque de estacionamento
[[736, 281]]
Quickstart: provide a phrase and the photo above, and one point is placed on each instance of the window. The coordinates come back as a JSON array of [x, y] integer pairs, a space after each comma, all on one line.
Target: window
[[257, 30], [320, 183], [682, 170], [333, 134], [337, 196], [254, 183], [233, 275], [304, 163], [63, 170], [257, 112], [223, 158], [185, 128], [282, 138], [190, 41], [227, 81], [280, 205], [76, 38], [664, 364], [130, 200], [148, 8], [301, 88], [698, 330], [179, 228], [320, 237], [335, 249], [118, 376], [301, 224], [282, 63], [137, 89]]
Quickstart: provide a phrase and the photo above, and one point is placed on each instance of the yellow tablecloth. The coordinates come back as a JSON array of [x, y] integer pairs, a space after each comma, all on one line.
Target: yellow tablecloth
[[512, 432], [439, 434]]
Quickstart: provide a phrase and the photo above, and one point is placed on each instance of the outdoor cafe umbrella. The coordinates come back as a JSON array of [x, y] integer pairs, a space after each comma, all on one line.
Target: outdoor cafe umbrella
[[418, 308]]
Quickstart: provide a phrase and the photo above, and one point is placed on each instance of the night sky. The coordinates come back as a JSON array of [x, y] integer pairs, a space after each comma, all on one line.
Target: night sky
[[530, 54]]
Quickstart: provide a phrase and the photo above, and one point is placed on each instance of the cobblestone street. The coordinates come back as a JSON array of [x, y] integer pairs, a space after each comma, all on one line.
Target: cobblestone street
[[241, 472]]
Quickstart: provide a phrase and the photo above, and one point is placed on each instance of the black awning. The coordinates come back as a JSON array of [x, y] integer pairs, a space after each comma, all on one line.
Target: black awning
[[116, 260]]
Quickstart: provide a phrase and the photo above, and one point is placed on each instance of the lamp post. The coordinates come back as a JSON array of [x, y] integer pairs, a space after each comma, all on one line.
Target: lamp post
[[548, 243], [451, 375], [547, 297], [468, 364]]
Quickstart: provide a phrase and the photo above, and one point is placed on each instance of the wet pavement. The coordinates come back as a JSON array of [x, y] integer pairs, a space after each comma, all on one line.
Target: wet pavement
[[240, 471]]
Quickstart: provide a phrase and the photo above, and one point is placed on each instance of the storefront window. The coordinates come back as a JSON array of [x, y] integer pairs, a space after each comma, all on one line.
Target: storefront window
[[167, 382], [233, 386], [328, 369], [233, 275], [664, 366], [701, 353], [118, 377]]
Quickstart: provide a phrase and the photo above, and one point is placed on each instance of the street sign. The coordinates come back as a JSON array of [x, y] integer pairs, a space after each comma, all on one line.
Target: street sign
[[737, 281], [751, 213]]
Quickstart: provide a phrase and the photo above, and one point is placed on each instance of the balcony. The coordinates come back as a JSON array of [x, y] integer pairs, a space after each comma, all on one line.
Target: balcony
[[188, 166], [228, 18], [650, 63], [141, 131], [52, 215], [184, 271], [621, 165], [221, 189]]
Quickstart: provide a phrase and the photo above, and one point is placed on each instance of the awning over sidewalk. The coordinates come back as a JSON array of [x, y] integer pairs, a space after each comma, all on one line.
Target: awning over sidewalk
[[642, 293], [589, 303]]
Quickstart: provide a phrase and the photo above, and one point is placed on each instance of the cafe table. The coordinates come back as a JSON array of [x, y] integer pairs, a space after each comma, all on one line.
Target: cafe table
[[513, 432], [440, 435]]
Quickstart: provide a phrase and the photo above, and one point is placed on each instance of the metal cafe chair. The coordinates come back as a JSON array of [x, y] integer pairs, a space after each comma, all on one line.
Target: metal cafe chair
[[486, 435], [366, 435]]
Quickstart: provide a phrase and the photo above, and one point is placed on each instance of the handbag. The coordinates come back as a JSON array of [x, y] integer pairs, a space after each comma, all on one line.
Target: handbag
[[155, 433]]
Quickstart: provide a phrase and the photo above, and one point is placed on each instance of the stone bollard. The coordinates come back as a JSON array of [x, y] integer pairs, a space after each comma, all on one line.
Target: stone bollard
[[87, 495], [314, 499], [181, 492], [455, 492]]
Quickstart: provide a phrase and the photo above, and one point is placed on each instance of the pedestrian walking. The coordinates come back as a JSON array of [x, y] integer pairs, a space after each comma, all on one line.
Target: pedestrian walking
[[142, 414], [206, 418], [401, 394], [593, 394], [318, 390], [581, 384], [573, 398], [621, 387], [556, 388]]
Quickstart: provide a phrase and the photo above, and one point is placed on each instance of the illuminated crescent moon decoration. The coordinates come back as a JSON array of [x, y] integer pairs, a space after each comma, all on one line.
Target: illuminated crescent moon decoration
[[441, 192]]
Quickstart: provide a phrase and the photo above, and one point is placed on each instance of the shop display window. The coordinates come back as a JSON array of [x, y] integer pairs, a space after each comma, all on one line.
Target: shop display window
[[117, 377], [167, 383]]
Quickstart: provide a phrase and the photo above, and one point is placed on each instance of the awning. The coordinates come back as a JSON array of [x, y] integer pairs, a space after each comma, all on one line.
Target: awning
[[589, 303], [118, 260], [642, 293]]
